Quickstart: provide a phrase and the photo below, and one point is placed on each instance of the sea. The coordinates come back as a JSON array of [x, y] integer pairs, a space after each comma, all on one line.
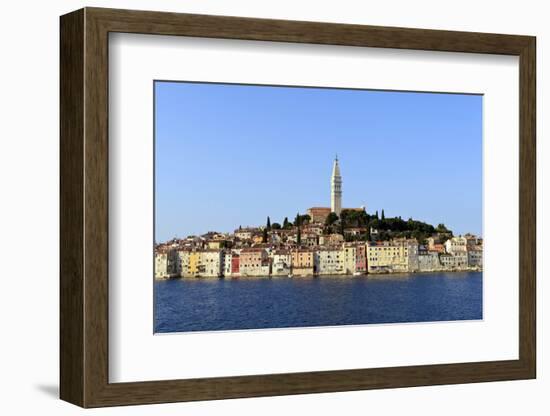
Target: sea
[[186, 305]]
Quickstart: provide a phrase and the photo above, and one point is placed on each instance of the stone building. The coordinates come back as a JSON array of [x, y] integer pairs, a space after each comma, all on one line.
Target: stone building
[[254, 262], [302, 262], [329, 261]]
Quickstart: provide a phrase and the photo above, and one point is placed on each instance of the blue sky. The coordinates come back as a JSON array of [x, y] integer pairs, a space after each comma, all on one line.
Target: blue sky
[[230, 155]]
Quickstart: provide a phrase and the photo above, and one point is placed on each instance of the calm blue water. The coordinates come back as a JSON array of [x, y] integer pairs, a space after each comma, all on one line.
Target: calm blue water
[[218, 304]]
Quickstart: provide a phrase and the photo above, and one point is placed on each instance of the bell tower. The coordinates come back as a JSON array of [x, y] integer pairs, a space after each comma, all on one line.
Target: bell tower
[[336, 188]]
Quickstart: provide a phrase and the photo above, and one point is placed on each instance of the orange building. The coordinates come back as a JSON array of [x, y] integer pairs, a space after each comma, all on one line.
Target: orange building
[[302, 262]]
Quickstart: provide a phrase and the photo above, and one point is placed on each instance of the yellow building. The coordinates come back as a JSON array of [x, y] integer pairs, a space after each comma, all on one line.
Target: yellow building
[[194, 263], [386, 256]]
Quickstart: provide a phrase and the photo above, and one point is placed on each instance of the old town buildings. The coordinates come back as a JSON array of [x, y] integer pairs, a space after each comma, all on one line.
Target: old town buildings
[[321, 245], [335, 258]]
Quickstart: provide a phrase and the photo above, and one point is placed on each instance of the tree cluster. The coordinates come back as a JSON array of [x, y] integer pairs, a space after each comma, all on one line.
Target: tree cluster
[[384, 228]]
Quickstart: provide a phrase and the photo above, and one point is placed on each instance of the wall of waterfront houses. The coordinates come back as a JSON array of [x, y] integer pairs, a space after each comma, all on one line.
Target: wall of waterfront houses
[[340, 258]]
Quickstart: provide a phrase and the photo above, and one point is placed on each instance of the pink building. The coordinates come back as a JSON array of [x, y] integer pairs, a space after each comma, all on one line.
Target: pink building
[[235, 263], [360, 259]]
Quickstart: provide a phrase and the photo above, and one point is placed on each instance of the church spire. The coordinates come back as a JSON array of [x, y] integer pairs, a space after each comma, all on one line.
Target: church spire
[[335, 168], [336, 188]]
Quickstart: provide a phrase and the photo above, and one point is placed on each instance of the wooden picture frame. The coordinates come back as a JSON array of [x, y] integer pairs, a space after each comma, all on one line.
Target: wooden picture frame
[[84, 207]]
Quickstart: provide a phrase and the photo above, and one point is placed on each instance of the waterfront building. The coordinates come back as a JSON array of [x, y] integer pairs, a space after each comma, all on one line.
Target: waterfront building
[[194, 263], [165, 263], [302, 262], [227, 257], [182, 261], [210, 263], [412, 254], [348, 251], [235, 264], [428, 261], [387, 257], [475, 256], [361, 258], [329, 261], [254, 262], [282, 263], [456, 261]]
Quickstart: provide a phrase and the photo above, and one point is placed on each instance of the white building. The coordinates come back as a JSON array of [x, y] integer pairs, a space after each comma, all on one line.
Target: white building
[[456, 245], [227, 260], [210, 263], [165, 265], [329, 261], [282, 262]]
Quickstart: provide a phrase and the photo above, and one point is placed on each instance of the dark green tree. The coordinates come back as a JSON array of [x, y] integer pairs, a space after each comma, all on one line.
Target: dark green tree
[[268, 224], [331, 218], [286, 224], [301, 219], [383, 216], [275, 226], [264, 235]]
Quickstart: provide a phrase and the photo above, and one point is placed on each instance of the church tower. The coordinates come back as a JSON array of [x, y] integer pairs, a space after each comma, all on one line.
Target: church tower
[[336, 189]]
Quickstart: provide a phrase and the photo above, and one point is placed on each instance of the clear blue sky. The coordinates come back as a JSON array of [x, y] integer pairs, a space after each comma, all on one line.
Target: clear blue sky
[[230, 155]]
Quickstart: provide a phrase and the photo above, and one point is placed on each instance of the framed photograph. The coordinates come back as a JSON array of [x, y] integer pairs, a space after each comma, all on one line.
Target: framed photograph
[[254, 207]]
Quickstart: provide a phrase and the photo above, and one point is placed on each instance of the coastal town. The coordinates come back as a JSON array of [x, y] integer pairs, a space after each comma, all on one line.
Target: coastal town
[[325, 241]]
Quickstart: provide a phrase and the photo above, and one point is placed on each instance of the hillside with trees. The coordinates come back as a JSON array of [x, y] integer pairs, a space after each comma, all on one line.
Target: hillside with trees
[[380, 227]]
